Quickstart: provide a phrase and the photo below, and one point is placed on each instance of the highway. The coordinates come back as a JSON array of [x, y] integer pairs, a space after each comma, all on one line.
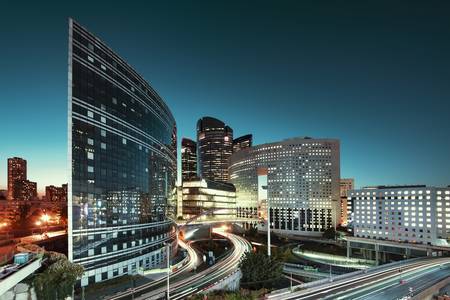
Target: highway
[[196, 283], [193, 262], [413, 283], [40, 237], [183, 286], [374, 282], [300, 271]]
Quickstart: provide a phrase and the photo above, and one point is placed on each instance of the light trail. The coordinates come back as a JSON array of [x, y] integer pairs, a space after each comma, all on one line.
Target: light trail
[[196, 283], [357, 282]]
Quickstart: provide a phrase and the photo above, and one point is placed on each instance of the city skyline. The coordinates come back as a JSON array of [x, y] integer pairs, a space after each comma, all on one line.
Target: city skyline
[[385, 106]]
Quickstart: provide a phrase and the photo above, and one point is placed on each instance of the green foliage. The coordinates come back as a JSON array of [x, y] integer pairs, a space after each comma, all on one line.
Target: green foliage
[[22, 212], [243, 294], [259, 270], [284, 255], [57, 280], [251, 232]]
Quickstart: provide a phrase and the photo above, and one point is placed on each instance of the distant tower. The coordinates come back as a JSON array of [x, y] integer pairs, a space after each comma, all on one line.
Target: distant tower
[[17, 173], [242, 142], [188, 159], [346, 185], [214, 148]]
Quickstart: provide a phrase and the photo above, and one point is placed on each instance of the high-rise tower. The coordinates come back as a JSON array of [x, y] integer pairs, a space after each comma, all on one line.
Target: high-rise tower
[[17, 173], [242, 142], [214, 148], [122, 158], [188, 159]]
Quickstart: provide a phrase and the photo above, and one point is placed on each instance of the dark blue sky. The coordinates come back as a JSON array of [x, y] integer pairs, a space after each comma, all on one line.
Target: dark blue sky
[[374, 74]]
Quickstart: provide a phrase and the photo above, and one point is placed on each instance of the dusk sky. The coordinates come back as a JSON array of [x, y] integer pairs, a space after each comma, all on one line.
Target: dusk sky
[[374, 74]]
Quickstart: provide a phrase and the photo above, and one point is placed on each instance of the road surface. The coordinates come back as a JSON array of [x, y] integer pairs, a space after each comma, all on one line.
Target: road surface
[[181, 288], [412, 283], [370, 280], [193, 262]]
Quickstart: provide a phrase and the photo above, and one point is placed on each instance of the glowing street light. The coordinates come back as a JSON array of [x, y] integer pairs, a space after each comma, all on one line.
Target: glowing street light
[[45, 218]]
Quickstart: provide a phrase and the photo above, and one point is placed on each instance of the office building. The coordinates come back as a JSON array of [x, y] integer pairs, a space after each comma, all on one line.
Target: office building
[[188, 159], [17, 172], [242, 142], [214, 148], [56, 198], [55, 193], [347, 184], [298, 178], [204, 199], [413, 214], [122, 157], [25, 190]]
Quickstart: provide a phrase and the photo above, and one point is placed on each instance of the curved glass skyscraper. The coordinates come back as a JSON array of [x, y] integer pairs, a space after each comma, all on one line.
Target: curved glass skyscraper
[[214, 147], [122, 156]]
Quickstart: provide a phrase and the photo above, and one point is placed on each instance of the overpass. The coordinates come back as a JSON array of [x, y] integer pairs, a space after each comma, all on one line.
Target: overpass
[[183, 223], [304, 271], [381, 250], [18, 274]]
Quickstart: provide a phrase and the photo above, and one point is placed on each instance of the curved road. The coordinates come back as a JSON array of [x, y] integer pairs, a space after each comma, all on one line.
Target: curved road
[[193, 262], [181, 288], [340, 288], [198, 282]]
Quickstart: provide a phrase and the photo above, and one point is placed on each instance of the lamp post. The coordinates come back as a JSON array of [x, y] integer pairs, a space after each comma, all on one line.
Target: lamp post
[[268, 227], [168, 269], [45, 218]]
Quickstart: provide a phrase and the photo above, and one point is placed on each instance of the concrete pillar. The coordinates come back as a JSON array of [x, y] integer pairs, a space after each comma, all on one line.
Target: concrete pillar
[[408, 252], [349, 249], [377, 254]]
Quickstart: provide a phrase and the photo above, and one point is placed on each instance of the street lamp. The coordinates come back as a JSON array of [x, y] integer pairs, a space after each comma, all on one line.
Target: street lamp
[[268, 227], [167, 244], [45, 218]]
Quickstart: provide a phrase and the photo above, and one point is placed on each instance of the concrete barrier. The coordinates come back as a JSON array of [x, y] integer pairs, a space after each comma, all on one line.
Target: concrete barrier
[[433, 290]]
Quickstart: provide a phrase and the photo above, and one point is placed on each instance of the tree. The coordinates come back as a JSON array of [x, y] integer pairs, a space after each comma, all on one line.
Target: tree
[[22, 212], [251, 232], [259, 270], [57, 281], [330, 233]]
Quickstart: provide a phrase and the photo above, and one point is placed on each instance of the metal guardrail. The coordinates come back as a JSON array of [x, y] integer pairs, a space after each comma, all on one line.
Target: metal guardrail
[[344, 276]]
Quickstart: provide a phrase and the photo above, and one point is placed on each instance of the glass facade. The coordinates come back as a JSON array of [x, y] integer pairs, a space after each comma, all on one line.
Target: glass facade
[[214, 148], [122, 153], [242, 142], [188, 159], [208, 199]]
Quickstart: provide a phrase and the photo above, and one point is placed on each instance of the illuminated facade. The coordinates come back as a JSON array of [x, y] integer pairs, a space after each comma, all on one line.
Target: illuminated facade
[[17, 172], [122, 157], [25, 190], [346, 185], [214, 148], [188, 159], [208, 199], [301, 185], [414, 214], [55, 193], [242, 142]]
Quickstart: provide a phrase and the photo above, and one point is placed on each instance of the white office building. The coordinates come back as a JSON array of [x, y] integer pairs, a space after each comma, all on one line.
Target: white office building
[[413, 214], [298, 178]]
